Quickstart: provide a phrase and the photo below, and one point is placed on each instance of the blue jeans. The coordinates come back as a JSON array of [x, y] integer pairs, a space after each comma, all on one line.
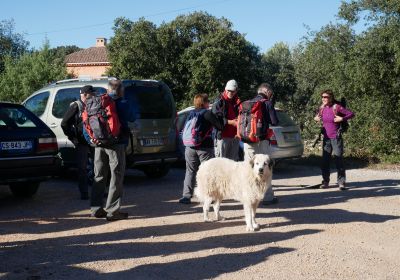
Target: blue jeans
[[335, 147]]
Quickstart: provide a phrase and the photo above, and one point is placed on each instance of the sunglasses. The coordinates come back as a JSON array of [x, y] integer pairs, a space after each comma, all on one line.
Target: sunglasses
[[325, 96]]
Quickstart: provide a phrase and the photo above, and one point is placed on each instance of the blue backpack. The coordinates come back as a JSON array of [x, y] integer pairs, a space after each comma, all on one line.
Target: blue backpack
[[196, 129]]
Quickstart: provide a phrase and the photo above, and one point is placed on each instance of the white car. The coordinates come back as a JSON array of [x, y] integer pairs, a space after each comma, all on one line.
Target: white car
[[285, 138]]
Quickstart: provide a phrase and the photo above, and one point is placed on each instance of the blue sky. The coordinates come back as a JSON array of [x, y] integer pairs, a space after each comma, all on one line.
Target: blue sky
[[264, 22]]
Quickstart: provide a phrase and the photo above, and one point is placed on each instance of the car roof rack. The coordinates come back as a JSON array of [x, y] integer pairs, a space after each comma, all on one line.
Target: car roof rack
[[83, 79]]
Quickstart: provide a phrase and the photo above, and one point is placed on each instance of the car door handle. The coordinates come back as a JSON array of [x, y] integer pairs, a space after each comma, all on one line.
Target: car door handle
[[53, 125]]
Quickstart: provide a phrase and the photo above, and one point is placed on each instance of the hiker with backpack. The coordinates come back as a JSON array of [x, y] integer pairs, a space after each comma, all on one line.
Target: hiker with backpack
[[255, 117], [105, 121], [334, 117], [199, 145], [71, 125], [226, 108]]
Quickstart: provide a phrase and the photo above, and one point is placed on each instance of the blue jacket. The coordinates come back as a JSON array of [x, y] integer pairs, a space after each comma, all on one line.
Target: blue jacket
[[122, 106]]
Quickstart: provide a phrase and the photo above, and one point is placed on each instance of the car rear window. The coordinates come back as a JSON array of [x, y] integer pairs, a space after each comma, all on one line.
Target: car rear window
[[284, 119], [66, 96], [13, 117], [149, 102]]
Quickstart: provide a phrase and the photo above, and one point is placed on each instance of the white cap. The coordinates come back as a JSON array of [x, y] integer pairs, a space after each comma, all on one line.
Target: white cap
[[231, 85]]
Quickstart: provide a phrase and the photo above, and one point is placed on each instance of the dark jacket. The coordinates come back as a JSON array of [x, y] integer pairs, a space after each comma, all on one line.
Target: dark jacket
[[212, 121], [270, 113], [221, 109], [72, 125], [122, 107]]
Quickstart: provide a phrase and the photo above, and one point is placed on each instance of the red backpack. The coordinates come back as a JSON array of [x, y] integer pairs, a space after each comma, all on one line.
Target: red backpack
[[252, 126], [100, 119]]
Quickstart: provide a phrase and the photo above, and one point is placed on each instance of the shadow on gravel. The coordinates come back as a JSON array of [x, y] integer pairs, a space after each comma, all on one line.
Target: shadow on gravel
[[325, 216], [315, 160], [56, 209], [318, 197], [199, 268], [56, 256], [57, 206]]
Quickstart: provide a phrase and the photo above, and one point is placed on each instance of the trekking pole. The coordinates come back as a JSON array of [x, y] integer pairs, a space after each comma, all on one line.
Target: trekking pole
[[317, 139]]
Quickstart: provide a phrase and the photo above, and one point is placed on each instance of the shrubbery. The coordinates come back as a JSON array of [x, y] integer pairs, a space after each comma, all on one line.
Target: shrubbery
[[199, 53]]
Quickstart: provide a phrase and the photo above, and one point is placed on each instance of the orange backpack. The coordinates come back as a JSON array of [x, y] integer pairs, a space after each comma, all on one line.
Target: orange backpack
[[252, 126], [100, 119]]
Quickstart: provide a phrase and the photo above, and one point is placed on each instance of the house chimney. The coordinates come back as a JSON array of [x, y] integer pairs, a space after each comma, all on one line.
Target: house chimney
[[101, 42]]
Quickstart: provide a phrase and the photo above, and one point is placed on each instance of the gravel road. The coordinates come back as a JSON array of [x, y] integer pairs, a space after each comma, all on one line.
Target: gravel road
[[310, 234]]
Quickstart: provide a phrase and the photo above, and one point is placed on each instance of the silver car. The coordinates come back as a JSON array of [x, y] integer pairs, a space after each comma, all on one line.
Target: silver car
[[152, 144], [285, 138]]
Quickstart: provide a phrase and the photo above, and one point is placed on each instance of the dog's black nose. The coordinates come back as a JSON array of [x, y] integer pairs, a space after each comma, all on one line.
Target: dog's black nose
[[261, 170]]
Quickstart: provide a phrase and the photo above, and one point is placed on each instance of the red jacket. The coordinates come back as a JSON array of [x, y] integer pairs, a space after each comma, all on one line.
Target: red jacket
[[231, 110]]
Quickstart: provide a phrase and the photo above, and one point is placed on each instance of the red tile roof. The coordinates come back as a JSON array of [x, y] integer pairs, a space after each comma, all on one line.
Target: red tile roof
[[88, 56]]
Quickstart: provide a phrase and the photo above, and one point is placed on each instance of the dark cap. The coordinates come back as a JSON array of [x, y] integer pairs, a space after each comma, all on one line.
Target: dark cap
[[88, 89]]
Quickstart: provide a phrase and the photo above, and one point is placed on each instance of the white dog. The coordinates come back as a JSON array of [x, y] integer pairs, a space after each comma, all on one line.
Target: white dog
[[247, 182]]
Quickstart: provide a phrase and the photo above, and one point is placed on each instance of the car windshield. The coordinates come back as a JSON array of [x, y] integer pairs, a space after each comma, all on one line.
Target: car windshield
[[13, 117], [148, 102], [284, 119]]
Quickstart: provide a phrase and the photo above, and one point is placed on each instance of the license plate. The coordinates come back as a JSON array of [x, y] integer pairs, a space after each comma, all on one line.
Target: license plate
[[149, 142], [16, 146], [290, 137]]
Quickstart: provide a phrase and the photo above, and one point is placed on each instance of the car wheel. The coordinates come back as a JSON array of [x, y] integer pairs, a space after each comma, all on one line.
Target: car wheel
[[26, 189], [156, 171]]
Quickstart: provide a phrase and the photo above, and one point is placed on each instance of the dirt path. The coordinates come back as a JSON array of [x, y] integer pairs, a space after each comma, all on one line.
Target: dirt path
[[310, 234]]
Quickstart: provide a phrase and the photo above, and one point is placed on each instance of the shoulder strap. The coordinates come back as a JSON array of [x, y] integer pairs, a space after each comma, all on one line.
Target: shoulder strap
[[198, 111], [334, 108], [80, 106]]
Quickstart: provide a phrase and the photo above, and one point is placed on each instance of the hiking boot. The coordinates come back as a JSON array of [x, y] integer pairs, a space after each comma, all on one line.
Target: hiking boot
[[324, 185], [275, 200], [342, 187], [117, 216], [100, 213], [185, 200]]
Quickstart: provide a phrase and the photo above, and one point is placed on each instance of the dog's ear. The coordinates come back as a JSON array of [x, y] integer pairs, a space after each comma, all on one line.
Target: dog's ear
[[271, 163]]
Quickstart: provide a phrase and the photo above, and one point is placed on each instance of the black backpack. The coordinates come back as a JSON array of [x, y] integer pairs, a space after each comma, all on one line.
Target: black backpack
[[344, 125]]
